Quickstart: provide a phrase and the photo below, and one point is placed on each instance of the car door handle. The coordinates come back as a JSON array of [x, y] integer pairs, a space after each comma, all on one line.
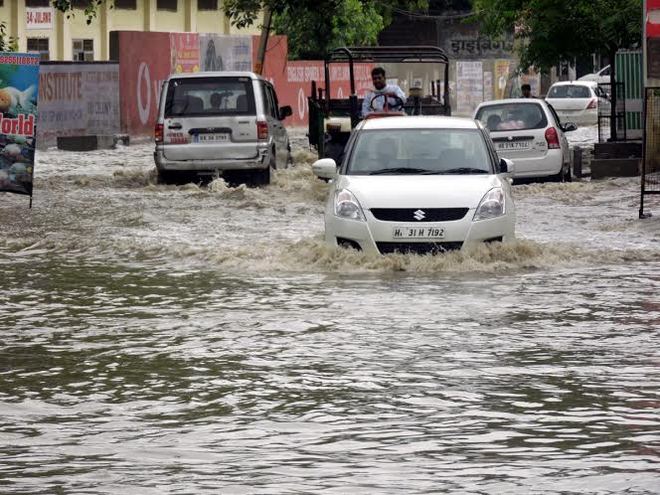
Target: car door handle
[[174, 126]]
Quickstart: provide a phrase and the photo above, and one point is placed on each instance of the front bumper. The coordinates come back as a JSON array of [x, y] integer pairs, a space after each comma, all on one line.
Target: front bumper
[[377, 237]]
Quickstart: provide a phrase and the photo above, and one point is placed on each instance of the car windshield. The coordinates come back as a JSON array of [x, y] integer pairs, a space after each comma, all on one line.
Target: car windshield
[[569, 91], [512, 116], [419, 151], [210, 96]]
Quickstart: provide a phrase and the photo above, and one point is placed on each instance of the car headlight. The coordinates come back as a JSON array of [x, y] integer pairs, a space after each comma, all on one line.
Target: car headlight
[[346, 206], [492, 205]]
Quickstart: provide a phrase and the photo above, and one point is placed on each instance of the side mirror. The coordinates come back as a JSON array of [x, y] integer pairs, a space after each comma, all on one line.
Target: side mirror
[[325, 168], [285, 112], [569, 126], [506, 166]]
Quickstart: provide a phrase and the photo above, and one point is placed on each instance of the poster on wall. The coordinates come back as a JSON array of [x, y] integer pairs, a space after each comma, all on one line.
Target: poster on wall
[[184, 52], [488, 86], [19, 84], [501, 76], [77, 99], [225, 52], [469, 86]]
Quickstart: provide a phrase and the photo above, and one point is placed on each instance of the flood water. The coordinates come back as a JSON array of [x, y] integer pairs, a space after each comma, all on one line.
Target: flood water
[[184, 340]]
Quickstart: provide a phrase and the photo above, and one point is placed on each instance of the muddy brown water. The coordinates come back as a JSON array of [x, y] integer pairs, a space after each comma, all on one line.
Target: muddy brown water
[[183, 339]]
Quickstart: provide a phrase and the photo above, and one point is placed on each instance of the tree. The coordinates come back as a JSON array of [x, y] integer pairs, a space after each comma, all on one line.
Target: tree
[[551, 31], [315, 27], [7, 43], [556, 30], [311, 34]]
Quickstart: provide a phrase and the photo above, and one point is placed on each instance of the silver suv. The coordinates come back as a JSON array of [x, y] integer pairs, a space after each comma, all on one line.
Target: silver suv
[[220, 123]]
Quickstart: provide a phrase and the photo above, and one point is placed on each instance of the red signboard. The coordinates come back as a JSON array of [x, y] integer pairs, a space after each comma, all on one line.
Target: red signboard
[[144, 62], [653, 18]]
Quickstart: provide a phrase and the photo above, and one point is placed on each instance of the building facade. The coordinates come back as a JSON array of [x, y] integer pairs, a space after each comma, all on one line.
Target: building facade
[[38, 27]]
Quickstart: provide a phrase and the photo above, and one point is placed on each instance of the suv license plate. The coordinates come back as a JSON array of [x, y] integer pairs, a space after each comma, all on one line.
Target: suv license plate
[[515, 145], [211, 138], [418, 233]]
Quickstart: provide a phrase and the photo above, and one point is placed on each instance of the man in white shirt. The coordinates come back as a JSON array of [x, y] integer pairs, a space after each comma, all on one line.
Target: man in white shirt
[[385, 97]]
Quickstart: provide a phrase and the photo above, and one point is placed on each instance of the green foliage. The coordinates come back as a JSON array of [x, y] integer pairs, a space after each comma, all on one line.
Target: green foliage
[[314, 27], [7, 43], [312, 33], [90, 10], [554, 30]]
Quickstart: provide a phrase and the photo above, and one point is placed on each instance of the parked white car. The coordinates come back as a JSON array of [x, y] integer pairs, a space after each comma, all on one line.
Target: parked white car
[[220, 123], [601, 77], [422, 184], [528, 132], [578, 101]]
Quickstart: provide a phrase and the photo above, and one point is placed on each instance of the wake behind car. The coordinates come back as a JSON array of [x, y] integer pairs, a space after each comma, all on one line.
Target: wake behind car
[[529, 132], [212, 123], [419, 184]]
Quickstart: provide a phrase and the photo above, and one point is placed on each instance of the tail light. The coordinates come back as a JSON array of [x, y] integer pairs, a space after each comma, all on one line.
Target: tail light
[[593, 103], [262, 129], [552, 138], [158, 133]]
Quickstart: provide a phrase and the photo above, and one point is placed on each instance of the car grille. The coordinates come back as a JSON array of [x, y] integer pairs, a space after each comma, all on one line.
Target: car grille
[[417, 247], [409, 214]]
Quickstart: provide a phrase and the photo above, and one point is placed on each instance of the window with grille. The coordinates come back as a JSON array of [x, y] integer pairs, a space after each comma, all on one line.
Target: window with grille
[[37, 3], [40, 46], [126, 4], [83, 50], [167, 5], [207, 4]]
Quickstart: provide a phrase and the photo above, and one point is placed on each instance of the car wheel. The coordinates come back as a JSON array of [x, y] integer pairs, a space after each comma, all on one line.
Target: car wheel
[[174, 177], [568, 176], [262, 176]]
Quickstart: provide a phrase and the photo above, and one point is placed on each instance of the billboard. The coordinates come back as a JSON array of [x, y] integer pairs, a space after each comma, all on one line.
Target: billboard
[[184, 53], [144, 63], [469, 86], [19, 84], [77, 99], [225, 52]]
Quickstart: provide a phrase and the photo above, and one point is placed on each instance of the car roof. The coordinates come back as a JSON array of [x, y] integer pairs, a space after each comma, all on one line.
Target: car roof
[[506, 101], [419, 122], [193, 75], [576, 83]]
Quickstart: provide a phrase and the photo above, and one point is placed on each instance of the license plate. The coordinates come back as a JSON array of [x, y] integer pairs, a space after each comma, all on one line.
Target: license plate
[[211, 138], [513, 145], [418, 233]]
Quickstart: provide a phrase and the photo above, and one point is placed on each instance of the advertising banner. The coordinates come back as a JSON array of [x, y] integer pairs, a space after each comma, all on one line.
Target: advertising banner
[[144, 63], [297, 86], [19, 84], [225, 52], [184, 52], [501, 77], [469, 86], [77, 99]]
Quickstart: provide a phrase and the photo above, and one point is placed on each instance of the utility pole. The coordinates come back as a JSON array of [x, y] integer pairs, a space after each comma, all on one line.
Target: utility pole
[[263, 41]]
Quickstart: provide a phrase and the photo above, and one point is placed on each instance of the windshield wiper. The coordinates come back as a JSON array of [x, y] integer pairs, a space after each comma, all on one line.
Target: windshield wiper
[[400, 170], [465, 170]]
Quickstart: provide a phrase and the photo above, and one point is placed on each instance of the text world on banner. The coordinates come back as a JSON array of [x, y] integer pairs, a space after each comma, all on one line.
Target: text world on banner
[[19, 80]]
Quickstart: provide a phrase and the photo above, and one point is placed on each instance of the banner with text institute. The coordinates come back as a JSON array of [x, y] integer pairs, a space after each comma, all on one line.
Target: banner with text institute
[[19, 80]]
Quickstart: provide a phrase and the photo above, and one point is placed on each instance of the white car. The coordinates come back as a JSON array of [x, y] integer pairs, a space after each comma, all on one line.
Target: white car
[[578, 101], [601, 77], [418, 184], [528, 132]]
